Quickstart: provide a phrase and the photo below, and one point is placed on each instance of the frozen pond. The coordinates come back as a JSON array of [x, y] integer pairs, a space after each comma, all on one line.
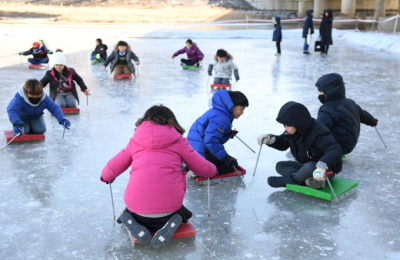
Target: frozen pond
[[53, 205]]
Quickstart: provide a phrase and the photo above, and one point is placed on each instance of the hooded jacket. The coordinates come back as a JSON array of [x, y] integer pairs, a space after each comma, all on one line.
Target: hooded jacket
[[312, 140], [102, 50], [21, 109], [192, 53], [50, 77], [277, 35], [341, 115], [113, 59], [157, 183], [224, 69], [325, 29], [214, 128], [308, 24]]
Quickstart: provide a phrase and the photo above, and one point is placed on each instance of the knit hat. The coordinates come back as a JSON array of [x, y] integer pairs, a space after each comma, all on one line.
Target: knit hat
[[36, 44], [59, 58]]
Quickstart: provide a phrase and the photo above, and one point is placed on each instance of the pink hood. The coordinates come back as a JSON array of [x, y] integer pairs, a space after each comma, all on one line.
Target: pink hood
[[155, 154]]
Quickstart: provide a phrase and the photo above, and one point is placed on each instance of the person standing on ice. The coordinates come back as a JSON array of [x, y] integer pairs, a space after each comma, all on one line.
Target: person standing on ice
[[341, 115], [39, 52], [194, 54], [223, 67], [121, 58], [277, 34], [100, 52], [308, 29], [25, 110], [62, 82], [157, 185], [312, 145], [325, 30], [213, 129]]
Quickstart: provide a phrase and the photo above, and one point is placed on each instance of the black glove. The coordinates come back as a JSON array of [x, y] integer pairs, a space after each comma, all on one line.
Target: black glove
[[375, 123], [210, 68], [230, 161], [233, 133]]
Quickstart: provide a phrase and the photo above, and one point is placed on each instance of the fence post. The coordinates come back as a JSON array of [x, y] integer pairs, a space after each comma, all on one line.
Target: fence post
[[247, 22], [357, 22], [395, 24]]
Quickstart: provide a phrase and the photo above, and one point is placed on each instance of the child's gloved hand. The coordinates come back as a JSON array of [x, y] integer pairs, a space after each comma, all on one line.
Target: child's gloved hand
[[18, 128], [233, 133], [98, 56], [103, 180], [65, 123], [266, 139], [230, 161], [319, 173], [50, 52], [375, 123], [19, 53], [86, 91]]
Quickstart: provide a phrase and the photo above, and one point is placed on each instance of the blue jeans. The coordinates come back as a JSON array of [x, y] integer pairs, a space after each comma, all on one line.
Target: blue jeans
[[93, 56], [34, 126], [38, 61], [221, 81], [306, 46]]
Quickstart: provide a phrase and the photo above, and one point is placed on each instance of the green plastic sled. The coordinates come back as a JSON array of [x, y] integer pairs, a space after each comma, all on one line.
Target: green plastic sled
[[187, 67]]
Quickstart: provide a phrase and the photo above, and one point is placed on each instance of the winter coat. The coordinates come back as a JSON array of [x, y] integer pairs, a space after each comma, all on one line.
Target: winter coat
[[157, 183], [224, 69], [113, 58], [213, 128], [192, 53], [277, 35], [341, 115], [102, 50], [308, 24], [21, 109], [50, 77], [325, 29], [41, 55], [312, 140]]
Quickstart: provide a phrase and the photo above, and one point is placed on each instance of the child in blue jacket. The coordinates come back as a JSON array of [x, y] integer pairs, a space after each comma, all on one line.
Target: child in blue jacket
[[277, 35], [25, 110], [214, 128]]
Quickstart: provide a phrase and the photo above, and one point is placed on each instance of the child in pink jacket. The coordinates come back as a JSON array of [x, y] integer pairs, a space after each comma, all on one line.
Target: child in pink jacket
[[157, 184]]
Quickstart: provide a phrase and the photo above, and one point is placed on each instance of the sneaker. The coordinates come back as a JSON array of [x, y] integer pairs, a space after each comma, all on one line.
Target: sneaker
[[190, 176], [306, 52], [164, 235], [279, 182], [311, 182], [138, 232], [278, 54], [197, 64], [322, 52]]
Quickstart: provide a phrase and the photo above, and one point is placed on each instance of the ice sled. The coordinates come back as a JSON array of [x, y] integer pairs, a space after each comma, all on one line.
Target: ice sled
[[342, 188], [190, 67], [9, 134], [221, 85], [37, 67], [96, 61], [223, 177], [184, 230], [69, 111], [122, 76]]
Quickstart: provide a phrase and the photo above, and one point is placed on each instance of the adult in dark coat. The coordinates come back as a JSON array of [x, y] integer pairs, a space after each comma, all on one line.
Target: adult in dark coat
[[341, 115], [309, 141], [325, 30], [277, 35], [308, 27]]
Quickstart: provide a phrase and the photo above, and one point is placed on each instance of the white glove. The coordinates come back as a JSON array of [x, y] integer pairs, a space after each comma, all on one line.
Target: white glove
[[266, 139], [319, 173]]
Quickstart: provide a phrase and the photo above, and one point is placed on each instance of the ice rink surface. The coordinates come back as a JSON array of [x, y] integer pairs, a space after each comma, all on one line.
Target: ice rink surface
[[53, 205]]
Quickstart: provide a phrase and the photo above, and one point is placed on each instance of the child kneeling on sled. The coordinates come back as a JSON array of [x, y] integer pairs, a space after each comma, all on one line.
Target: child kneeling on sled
[[157, 185], [312, 145]]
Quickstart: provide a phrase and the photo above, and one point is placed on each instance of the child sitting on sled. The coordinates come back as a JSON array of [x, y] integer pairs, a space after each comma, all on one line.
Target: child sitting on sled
[[157, 185], [39, 52], [121, 60], [100, 52], [223, 67], [194, 54]]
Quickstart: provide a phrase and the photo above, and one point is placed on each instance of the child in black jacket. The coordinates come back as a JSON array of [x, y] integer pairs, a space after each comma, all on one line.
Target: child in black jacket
[[341, 115], [100, 52], [310, 142]]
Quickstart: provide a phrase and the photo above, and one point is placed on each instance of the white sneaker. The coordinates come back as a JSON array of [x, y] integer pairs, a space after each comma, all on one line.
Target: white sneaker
[[190, 176]]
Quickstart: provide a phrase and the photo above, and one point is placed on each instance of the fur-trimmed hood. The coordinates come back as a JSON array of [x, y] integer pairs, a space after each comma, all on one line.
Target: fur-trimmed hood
[[228, 57]]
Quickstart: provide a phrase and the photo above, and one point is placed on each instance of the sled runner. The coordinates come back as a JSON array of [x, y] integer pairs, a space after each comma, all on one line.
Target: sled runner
[[122, 76], [223, 177], [342, 188], [221, 85], [37, 67], [9, 134], [69, 111], [189, 67], [184, 230]]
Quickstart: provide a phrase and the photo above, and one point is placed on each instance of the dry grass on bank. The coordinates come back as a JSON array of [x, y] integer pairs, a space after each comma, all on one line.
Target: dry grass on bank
[[119, 14]]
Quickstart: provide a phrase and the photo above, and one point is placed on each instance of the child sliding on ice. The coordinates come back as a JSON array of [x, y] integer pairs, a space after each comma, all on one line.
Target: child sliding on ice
[[341, 115], [121, 60], [39, 52], [223, 68], [194, 54], [310, 142], [100, 52], [214, 128], [156, 187], [25, 110]]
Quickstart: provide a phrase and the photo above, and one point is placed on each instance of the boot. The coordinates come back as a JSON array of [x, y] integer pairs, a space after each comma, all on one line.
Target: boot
[[311, 182], [280, 182]]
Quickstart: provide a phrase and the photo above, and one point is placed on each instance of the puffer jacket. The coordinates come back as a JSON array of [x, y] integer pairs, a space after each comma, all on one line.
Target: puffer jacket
[[39, 55], [308, 24], [312, 140], [224, 69], [157, 183], [213, 128], [277, 34], [102, 50], [113, 59], [325, 29], [341, 115], [192, 53]]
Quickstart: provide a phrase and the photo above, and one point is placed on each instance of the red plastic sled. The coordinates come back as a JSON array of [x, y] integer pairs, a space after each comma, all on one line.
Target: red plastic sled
[[222, 178], [68, 111], [40, 67], [184, 230], [221, 85], [9, 134], [122, 76]]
